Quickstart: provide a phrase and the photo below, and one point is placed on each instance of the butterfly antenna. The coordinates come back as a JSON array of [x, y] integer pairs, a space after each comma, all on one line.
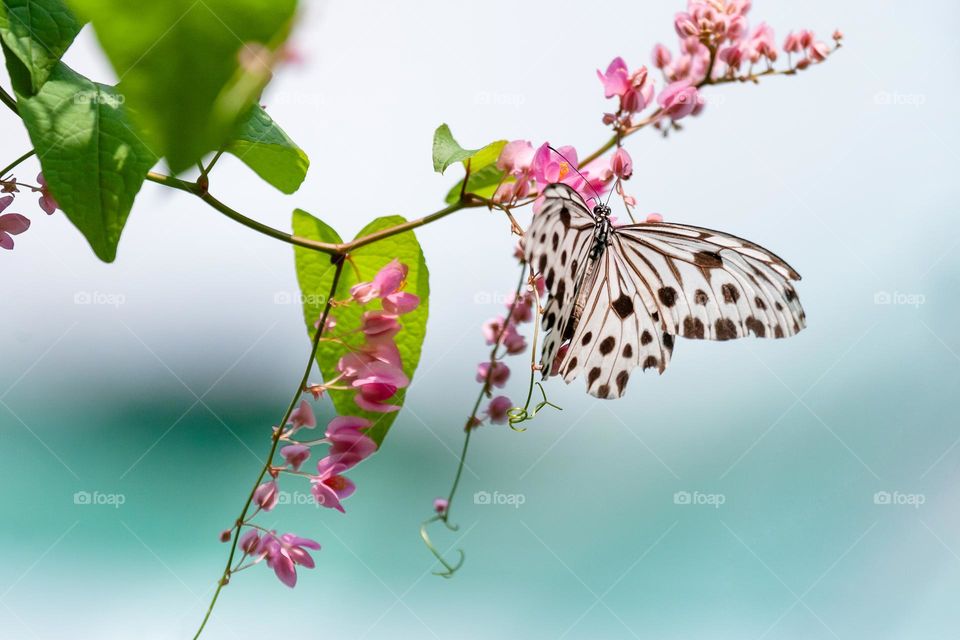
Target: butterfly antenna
[[610, 195], [598, 198]]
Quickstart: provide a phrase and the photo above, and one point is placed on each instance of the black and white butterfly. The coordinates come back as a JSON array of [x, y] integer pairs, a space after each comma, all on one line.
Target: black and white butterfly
[[620, 294]]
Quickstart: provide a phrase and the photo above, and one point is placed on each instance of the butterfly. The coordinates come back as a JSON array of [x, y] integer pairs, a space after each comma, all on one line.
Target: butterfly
[[619, 295]]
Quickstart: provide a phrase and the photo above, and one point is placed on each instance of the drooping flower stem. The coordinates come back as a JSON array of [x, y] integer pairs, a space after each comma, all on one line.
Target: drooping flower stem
[[338, 261], [469, 428], [13, 165]]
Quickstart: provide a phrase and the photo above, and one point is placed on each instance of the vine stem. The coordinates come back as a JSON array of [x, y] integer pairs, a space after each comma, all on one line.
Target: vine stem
[[8, 100], [470, 427], [13, 165], [338, 262], [341, 248]]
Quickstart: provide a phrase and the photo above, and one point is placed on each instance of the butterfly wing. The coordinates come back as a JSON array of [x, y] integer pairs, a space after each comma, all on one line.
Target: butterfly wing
[[656, 281], [616, 331], [706, 284], [556, 246]]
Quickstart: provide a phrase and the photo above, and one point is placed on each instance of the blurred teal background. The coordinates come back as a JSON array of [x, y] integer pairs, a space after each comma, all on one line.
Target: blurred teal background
[[167, 399]]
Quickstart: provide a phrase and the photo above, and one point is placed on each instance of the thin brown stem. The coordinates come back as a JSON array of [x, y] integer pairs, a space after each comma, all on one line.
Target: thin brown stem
[[13, 165], [338, 261]]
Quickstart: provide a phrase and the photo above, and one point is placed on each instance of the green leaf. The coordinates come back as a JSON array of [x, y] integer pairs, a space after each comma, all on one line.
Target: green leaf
[[482, 183], [315, 273], [93, 162], [263, 146], [38, 32], [180, 64], [447, 151]]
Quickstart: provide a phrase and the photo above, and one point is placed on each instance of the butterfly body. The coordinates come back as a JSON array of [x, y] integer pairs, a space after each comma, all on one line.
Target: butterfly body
[[619, 295]]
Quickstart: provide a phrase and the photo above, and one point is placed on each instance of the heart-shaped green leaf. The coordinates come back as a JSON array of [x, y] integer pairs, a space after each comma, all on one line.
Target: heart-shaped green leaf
[[262, 145], [93, 161], [189, 69], [315, 273]]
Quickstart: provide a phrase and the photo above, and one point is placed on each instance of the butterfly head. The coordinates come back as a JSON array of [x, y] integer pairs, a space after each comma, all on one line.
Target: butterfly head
[[601, 211]]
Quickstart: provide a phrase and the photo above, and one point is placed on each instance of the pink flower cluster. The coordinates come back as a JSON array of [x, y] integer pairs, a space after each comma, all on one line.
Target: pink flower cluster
[[721, 26], [282, 553], [375, 369], [501, 333], [635, 91], [12, 224], [527, 171], [348, 446], [374, 372]]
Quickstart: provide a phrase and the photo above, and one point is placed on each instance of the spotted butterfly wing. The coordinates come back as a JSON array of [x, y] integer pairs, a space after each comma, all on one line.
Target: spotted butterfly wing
[[651, 282]]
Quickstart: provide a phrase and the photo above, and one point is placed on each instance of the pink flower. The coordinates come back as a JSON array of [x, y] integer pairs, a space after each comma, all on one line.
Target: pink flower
[[376, 382], [522, 307], [249, 542], [440, 505], [498, 375], [388, 280], [303, 416], [819, 51], [295, 455], [284, 553], [550, 166], [492, 328], [661, 56], [513, 341], [792, 43], [348, 445], [762, 44], [11, 224], [515, 157], [329, 486], [47, 202], [684, 25], [379, 324], [266, 495], [400, 303], [678, 100], [654, 217], [621, 164], [498, 409], [616, 80]]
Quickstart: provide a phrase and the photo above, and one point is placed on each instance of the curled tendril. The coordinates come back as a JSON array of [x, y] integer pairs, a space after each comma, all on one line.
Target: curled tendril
[[518, 415], [449, 569]]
